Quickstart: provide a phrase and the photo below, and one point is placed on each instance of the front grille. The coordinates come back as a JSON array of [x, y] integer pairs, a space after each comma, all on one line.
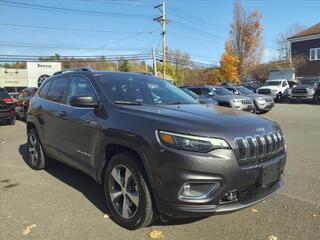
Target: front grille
[[253, 148], [300, 91], [246, 101], [269, 100], [264, 91]]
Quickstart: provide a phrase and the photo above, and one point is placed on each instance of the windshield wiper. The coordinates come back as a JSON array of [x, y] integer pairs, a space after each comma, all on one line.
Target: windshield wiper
[[127, 103]]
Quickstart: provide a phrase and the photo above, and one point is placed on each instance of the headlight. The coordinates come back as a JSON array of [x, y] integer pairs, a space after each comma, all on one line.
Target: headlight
[[236, 102], [310, 91], [261, 101], [191, 143]]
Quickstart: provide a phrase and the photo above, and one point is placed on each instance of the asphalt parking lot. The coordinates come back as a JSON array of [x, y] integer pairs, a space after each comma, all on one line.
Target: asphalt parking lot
[[63, 203]]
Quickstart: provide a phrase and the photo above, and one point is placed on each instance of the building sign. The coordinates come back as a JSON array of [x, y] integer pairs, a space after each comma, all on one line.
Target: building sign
[[39, 71]]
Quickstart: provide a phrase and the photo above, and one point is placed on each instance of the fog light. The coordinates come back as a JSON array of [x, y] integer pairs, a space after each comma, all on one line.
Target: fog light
[[197, 191], [230, 196]]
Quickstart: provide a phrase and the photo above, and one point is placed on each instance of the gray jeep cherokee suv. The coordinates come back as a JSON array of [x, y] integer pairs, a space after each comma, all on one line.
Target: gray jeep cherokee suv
[[155, 150]]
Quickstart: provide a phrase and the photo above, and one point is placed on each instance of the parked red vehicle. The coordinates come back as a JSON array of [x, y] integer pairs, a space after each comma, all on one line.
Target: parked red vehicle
[[7, 110], [22, 101]]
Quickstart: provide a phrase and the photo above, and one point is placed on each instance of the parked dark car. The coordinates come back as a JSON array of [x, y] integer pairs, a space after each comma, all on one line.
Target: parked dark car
[[22, 101], [262, 103], [307, 89], [201, 100], [224, 97], [7, 112], [152, 146]]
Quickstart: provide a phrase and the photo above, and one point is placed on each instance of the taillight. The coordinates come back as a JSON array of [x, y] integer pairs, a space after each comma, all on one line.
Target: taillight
[[8, 100]]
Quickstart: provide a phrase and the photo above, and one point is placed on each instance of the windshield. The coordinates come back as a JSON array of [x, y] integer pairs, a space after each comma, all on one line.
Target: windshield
[[136, 89], [273, 83], [244, 90], [308, 82], [221, 91]]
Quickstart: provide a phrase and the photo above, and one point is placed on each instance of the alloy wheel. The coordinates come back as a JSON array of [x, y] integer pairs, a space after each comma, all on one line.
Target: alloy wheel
[[34, 146], [124, 191]]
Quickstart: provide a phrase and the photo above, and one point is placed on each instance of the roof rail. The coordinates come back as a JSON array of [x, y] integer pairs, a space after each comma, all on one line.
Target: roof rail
[[73, 70]]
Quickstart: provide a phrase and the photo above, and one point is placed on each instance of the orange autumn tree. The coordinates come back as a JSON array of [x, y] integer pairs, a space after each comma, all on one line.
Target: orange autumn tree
[[229, 65]]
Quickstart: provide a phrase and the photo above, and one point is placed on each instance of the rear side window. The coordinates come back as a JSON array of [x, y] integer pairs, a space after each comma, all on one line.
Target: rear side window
[[44, 89], [57, 90], [3, 94], [80, 86]]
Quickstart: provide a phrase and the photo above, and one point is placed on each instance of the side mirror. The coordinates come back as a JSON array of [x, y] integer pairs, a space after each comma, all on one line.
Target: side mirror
[[83, 101], [237, 93], [210, 94]]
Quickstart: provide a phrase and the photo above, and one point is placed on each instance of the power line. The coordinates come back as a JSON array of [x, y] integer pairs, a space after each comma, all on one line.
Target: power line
[[73, 29], [70, 10], [38, 45]]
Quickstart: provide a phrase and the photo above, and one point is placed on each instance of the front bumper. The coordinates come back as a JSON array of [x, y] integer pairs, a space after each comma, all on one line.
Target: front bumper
[[266, 107], [302, 97], [244, 107], [218, 166]]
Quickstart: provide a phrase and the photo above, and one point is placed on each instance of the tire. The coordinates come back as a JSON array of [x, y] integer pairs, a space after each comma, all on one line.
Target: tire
[[133, 191], [36, 156]]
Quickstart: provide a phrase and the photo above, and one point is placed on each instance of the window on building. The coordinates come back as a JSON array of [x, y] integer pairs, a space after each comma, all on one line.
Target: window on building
[[314, 54]]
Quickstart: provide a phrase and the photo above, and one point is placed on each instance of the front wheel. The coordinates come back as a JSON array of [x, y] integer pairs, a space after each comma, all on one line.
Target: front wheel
[[126, 191]]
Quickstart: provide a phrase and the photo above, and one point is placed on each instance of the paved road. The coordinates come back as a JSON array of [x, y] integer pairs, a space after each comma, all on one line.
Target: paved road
[[62, 203]]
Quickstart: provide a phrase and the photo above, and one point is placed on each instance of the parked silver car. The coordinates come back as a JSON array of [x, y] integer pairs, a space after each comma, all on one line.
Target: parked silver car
[[262, 103]]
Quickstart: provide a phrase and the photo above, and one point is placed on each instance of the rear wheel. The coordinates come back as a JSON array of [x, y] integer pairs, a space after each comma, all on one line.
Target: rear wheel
[[127, 194], [36, 159]]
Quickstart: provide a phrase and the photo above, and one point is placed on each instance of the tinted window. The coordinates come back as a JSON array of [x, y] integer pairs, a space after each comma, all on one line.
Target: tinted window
[[57, 90], [244, 90], [197, 91], [205, 91], [127, 88], [284, 84], [44, 89], [80, 86], [221, 91], [3, 93], [273, 83]]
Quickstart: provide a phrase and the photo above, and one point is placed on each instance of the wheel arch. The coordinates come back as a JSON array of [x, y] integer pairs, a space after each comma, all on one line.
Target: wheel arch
[[114, 146]]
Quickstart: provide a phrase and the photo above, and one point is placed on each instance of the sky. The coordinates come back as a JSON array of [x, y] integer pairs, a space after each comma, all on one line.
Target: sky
[[110, 27]]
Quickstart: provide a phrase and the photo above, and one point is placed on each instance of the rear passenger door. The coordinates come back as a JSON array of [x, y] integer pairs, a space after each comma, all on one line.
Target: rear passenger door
[[54, 115]]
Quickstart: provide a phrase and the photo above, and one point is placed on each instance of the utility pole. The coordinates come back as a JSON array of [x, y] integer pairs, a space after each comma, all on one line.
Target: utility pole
[[163, 21], [154, 62]]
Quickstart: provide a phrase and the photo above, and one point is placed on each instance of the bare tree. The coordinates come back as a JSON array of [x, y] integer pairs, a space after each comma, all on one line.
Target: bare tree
[[246, 39], [282, 43]]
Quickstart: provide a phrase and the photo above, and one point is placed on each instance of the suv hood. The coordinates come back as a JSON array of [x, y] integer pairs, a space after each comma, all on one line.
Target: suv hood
[[204, 120]]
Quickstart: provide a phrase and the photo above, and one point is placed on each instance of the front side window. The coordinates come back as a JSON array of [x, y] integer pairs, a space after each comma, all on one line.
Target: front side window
[[314, 54], [134, 89], [57, 90], [197, 91], [80, 87]]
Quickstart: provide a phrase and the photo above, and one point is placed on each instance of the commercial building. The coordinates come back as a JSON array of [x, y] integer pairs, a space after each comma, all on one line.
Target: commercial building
[[14, 80]]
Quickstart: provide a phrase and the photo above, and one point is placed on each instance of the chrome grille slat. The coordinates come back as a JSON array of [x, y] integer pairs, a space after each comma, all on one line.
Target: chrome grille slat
[[251, 148]]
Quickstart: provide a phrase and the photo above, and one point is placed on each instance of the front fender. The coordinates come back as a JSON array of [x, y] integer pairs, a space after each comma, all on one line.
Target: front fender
[[132, 142]]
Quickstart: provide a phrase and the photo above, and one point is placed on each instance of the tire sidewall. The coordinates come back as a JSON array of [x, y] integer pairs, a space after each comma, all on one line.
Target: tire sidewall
[[41, 159], [125, 160]]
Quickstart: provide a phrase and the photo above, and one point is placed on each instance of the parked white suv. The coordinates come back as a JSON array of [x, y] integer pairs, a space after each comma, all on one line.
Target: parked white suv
[[275, 88]]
